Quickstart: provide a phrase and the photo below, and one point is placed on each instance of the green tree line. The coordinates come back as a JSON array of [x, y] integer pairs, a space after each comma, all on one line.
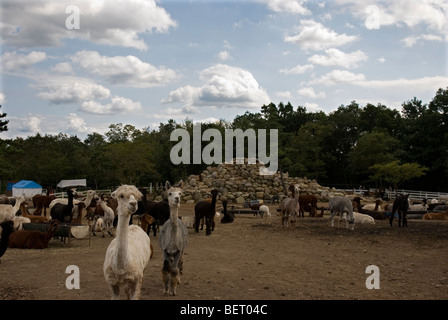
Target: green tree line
[[373, 146]]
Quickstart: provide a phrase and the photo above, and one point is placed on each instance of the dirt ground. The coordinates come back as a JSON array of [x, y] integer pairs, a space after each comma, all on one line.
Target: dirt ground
[[254, 259]]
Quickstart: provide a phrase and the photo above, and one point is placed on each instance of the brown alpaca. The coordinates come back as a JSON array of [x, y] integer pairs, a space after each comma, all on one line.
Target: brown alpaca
[[32, 239], [33, 218]]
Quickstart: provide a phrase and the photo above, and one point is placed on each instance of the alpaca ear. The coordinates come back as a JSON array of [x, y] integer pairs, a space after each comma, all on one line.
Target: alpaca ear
[[179, 184], [167, 185], [114, 194]]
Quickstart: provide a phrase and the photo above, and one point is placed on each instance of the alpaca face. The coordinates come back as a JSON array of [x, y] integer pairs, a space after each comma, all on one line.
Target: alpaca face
[[174, 195], [127, 197]]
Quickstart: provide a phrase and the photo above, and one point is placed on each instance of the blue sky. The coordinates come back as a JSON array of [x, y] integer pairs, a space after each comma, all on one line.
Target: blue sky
[[143, 62]]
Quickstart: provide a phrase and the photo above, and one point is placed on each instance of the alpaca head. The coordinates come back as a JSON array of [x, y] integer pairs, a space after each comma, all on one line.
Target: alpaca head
[[174, 193], [20, 199], [127, 197], [294, 189]]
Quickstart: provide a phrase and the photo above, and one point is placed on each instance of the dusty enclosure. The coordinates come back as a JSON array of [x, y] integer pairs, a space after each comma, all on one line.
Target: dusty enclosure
[[254, 259]]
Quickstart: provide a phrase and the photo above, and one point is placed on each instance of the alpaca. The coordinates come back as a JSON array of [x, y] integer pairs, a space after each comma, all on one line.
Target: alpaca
[[80, 205], [7, 211], [340, 205], [160, 211], [24, 212], [32, 239], [63, 212], [7, 229], [264, 211], [228, 216], [108, 217], [40, 201], [207, 210], [308, 202], [374, 206], [173, 238], [401, 205], [129, 252], [290, 207], [378, 215]]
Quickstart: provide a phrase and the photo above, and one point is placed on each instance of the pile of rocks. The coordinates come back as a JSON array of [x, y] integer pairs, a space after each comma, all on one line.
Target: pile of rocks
[[238, 183]]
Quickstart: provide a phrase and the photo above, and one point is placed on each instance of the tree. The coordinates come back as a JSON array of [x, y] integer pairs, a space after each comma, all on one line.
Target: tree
[[3, 123], [396, 173], [370, 149]]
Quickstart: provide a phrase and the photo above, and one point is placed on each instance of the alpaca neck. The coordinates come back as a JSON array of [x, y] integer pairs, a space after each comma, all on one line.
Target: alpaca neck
[[17, 205], [88, 200], [296, 197], [70, 200], [121, 252], [174, 215], [214, 202]]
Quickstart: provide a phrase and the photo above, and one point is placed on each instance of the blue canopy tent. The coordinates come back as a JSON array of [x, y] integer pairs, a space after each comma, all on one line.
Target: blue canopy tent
[[26, 187]]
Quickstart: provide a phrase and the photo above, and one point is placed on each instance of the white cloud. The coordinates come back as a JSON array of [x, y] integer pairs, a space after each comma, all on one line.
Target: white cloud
[[412, 40], [224, 86], [67, 89], [429, 13], [224, 55], [2, 99], [127, 70], [117, 105], [118, 23], [26, 125], [337, 77], [298, 69], [421, 85], [77, 124], [63, 67], [310, 93], [335, 57], [287, 6], [314, 36], [311, 107], [13, 61]]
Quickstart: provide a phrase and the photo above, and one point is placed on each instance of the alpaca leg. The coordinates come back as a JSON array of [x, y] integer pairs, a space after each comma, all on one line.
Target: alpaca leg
[[166, 276], [196, 224], [115, 292], [208, 226], [134, 290], [391, 219], [175, 279]]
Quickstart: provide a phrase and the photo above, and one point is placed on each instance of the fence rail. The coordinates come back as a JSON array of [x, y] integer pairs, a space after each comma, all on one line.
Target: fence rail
[[413, 194]]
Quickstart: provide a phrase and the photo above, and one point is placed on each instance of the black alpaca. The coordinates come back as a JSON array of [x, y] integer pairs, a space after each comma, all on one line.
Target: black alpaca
[[160, 211], [7, 228], [401, 205], [228, 216], [63, 212], [206, 209]]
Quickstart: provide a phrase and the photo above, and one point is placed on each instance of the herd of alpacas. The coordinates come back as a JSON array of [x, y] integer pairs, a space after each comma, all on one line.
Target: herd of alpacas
[[131, 249]]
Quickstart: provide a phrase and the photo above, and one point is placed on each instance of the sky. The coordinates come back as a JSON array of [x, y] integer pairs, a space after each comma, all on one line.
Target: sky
[[76, 67]]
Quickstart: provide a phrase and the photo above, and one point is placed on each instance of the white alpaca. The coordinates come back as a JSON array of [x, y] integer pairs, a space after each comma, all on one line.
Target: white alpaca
[[108, 217], [89, 196], [373, 206], [7, 211], [173, 239], [265, 211], [290, 207], [128, 254], [360, 218]]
